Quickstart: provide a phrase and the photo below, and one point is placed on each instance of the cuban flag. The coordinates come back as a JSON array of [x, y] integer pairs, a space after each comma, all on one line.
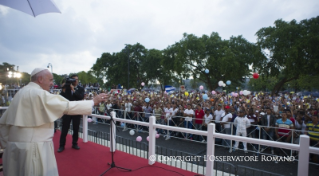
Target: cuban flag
[[169, 88]]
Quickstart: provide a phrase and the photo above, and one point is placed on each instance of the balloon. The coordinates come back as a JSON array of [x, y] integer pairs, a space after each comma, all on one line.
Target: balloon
[[212, 99], [205, 97], [201, 87], [132, 132], [89, 120], [220, 83], [241, 92], [142, 84], [122, 124], [186, 94], [147, 100], [236, 94], [157, 135], [228, 82], [255, 75], [246, 92], [206, 71], [148, 138], [224, 85], [232, 94], [139, 139], [213, 92]]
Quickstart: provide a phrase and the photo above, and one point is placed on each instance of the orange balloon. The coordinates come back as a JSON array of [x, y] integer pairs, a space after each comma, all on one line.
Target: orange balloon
[[212, 99]]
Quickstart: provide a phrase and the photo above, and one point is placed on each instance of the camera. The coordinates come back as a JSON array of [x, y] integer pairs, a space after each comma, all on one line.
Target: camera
[[67, 82]]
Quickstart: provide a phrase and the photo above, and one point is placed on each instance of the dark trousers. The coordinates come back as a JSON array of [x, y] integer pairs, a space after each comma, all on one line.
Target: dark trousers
[[66, 121]]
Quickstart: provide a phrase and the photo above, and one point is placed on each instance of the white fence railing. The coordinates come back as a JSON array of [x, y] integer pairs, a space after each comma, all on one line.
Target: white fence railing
[[303, 146]]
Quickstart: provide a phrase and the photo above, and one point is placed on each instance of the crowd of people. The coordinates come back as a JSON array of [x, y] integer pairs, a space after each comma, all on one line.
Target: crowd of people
[[280, 117]]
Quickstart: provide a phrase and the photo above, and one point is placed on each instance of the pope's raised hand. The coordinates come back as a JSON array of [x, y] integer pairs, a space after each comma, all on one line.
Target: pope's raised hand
[[99, 98]]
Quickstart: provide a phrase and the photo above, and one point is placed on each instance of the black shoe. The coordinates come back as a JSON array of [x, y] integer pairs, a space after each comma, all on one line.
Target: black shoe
[[76, 147], [61, 149]]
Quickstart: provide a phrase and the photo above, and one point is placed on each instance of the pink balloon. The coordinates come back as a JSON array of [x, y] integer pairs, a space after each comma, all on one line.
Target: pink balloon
[[201, 87], [236, 94], [233, 94], [143, 84], [148, 138], [241, 92], [213, 92], [89, 120], [157, 135], [139, 139], [239, 99]]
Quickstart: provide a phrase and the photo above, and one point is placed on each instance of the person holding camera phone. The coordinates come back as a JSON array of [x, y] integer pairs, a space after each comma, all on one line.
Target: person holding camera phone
[[72, 92]]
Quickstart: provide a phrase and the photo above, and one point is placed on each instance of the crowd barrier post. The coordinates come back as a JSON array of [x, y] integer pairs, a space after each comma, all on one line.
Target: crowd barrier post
[[113, 132], [125, 128], [85, 128], [210, 149], [303, 163], [152, 141]]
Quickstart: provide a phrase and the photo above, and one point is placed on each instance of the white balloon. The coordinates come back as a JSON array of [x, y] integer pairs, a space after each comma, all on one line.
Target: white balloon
[[224, 85], [132, 132], [220, 83], [246, 92]]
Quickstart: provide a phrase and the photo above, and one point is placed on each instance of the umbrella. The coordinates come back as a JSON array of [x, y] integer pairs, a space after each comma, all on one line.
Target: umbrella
[[31, 7]]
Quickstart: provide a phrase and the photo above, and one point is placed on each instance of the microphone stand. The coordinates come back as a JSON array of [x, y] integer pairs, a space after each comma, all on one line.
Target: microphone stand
[[112, 165]]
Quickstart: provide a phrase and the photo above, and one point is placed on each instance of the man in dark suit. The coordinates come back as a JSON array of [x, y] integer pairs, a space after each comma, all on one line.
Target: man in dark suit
[[268, 121], [72, 93]]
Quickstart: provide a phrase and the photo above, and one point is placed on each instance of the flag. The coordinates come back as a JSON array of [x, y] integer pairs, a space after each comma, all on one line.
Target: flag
[[169, 88]]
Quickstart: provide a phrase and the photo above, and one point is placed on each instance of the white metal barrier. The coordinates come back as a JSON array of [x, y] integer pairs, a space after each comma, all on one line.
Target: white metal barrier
[[303, 147]]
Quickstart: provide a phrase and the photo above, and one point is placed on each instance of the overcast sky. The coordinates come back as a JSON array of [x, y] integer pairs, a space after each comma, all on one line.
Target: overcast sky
[[71, 41]]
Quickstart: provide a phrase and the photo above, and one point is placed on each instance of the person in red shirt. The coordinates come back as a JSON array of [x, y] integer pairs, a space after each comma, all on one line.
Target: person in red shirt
[[199, 121]]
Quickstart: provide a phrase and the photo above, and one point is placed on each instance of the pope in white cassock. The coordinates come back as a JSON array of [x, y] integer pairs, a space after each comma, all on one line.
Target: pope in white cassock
[[26, 127]]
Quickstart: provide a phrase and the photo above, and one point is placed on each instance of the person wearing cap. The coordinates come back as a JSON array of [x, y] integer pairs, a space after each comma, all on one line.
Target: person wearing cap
[[26, 127]]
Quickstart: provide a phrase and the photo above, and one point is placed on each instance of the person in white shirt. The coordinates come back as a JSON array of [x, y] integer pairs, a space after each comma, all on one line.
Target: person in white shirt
[[227, 117], [168, 119], [242, 123], [208, 117], [188, 122], [218, 114]]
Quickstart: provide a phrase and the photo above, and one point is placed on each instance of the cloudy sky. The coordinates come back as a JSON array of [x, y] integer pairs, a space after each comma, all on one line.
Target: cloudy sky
[[71, 41]]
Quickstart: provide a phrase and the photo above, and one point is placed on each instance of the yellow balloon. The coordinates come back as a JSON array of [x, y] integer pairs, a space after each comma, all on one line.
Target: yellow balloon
[[186, 94]]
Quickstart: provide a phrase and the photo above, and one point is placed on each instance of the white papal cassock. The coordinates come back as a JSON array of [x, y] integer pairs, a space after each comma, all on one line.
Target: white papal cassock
[[27, 128]]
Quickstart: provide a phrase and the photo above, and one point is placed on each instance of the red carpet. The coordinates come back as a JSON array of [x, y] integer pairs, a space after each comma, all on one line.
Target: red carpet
[[92, 159]]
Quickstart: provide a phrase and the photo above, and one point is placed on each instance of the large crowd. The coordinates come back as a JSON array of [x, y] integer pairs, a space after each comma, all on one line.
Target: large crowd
[[281, 117]]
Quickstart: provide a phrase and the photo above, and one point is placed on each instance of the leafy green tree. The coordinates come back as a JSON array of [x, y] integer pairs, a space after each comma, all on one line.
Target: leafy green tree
[[225, 59], [57, 79], [86, 77], [262, 84], [291, 49]]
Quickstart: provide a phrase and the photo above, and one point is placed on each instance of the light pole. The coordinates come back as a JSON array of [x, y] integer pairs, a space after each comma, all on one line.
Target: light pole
[[128, 67], [51, 67]]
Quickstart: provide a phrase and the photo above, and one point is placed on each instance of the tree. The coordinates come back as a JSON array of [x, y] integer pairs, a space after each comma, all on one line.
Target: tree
[[291, 49], [262, 84], [114, 67], [86, 77], [225, 59]]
